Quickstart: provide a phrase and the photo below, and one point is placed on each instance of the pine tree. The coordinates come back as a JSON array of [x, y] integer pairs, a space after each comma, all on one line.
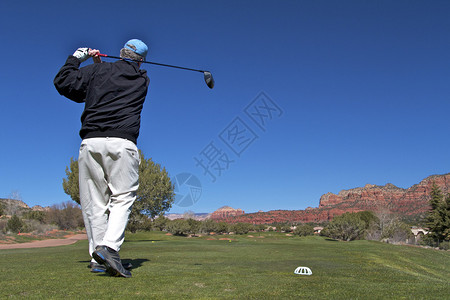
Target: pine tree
[[446, 221], [438, 217]]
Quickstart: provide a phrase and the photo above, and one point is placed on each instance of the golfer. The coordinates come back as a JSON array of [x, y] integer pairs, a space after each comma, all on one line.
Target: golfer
[[113, 95]]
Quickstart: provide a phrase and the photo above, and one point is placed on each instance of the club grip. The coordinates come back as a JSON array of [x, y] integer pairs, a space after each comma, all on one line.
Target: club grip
[[104, 55]]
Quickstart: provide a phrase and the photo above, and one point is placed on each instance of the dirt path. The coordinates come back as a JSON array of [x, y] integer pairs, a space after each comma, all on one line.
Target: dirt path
[[46, 243]]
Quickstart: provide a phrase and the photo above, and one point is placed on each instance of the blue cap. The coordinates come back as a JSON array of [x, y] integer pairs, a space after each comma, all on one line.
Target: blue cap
[[137, 46]]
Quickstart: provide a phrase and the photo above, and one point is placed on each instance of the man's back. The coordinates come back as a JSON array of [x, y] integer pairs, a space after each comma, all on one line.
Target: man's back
[[113, 93]]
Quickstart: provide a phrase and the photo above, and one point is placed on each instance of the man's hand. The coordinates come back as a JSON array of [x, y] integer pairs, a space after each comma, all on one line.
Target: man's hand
[[82, 54], [94, 53]]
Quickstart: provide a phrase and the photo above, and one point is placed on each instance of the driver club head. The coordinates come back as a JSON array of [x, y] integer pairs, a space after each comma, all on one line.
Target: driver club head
[[208, 79]]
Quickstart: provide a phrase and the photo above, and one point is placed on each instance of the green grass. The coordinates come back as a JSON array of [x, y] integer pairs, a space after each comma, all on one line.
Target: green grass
[[169, 267]]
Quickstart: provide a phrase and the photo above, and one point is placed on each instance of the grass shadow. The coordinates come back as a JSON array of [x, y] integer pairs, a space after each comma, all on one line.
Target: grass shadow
[[137, 263], [331, 240]]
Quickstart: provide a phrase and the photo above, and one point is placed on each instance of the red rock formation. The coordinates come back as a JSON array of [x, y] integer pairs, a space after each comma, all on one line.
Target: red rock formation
[[404, 202], [226, 212]]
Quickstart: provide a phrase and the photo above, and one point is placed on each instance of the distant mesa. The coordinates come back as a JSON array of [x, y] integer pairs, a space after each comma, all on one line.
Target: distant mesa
[[226, 212]]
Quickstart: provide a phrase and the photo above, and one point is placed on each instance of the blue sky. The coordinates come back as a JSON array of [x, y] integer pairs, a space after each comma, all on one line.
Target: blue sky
[[362, 89]]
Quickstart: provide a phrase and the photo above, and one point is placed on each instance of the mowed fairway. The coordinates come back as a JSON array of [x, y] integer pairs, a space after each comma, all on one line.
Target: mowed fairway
[[168, 267]]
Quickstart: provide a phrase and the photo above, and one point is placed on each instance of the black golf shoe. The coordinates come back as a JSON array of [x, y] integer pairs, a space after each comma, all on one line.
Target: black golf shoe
[[111, 260], [98, 268]]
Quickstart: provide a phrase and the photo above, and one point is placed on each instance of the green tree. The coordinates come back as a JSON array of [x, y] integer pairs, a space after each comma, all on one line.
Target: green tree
[[368, 217], [70, 184], [194, 226], [156, 191], [15, 224], [35, 215], [209, 226], [223, 227], [260, 227], [179, 227], [154, 196], [160, 222], [2, 209], [242, 228], [438, 217], [446, 223], [346, 227], [286, 228], [304, 230]]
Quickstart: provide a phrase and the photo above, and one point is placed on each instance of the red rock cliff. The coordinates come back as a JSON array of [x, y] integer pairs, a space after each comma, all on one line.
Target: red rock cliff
[[405, 202]]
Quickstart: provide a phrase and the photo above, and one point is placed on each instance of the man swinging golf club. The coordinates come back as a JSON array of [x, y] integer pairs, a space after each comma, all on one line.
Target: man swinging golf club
[[113, 95]]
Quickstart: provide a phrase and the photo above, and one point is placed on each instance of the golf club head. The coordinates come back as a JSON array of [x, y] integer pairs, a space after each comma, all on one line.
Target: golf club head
[[208, 79]]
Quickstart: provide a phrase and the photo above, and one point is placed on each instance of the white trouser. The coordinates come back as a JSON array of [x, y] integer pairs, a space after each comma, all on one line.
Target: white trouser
[[109, 179]]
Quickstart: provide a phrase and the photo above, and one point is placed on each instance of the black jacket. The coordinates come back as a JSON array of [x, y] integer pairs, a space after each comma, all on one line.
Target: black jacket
[[114, 94]]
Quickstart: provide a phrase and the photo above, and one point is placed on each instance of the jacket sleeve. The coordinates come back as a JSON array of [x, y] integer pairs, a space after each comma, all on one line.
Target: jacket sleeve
[[71, 81]]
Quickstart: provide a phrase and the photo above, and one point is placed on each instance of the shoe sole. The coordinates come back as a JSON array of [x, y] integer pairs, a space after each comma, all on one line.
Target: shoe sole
[[109, 269]]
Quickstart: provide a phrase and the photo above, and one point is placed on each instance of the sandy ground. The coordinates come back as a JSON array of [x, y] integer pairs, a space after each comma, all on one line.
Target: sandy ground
[[46, 243]]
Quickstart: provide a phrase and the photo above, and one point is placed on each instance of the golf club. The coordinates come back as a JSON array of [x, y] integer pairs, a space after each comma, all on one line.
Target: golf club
[[206, 74]]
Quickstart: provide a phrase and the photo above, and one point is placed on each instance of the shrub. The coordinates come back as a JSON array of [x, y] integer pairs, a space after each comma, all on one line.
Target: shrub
[[208, 226], [194, 226], [286, 228], [66, 216], [445, 246], [3, 223], [35, 215], [178, 227], [346, 227], [160, 223], [139, 223], [397, 231], [15, 224], [304, 230], [223, 227], [37, 227], [241, 228], [260, 227]]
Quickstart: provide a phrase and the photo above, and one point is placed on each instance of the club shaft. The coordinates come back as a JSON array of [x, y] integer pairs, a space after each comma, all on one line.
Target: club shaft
[[153, 63]]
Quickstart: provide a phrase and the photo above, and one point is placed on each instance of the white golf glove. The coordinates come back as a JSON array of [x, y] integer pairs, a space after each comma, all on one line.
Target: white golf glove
[[82, 54]]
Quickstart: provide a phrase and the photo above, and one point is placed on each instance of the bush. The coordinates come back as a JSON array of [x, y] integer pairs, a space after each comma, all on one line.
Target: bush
[[209, 226], [139, 223], [445, 246], [260, 227], [223, 227], [37, 227], [160, 223], [194, 226], [304, 230], [242, 228], [397, 232], [66, 216], [3, 224], [15, 224], [178, 227], [286, 228], [346, 227], [388, 227], [35, 215]]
